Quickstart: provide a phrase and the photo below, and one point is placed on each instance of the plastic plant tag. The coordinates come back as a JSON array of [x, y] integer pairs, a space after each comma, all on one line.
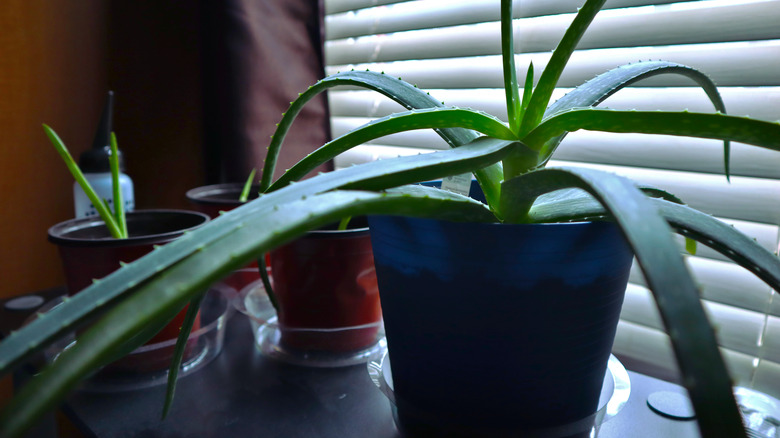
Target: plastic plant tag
[[460, 184]]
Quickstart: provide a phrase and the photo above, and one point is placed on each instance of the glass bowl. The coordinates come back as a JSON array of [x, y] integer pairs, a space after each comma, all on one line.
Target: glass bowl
[[307, 346], [147, 366]]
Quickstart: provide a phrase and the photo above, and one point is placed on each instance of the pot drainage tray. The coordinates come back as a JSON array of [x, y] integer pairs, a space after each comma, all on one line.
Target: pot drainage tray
[[147, 366], [312, 347], [614, 391]]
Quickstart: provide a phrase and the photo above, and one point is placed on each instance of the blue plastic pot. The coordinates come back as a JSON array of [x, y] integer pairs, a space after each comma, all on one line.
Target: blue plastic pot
[[497, 329]]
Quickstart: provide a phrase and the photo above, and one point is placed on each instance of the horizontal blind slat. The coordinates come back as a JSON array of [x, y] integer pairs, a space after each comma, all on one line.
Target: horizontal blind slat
[[758, 102], [337, 6], [425, 14], [364, 154], [737, 329], [717, 280], [420, 139], [743, 198], [640, 344], [633, 150], [764, 234], [709, 21], [668, 152], [746, 64]]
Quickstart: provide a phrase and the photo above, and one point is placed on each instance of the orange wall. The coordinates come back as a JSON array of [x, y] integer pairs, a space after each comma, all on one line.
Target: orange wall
[[52, 56], [52, 70]]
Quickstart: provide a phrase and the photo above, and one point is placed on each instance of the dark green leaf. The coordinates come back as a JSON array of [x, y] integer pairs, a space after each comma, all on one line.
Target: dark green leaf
[[560, 57], [409, 96], [704, 373], [247, 186], [32, 338], [178, 352], [395, 123], [162, 294], [511, 87], [606, 84], [689, 124]]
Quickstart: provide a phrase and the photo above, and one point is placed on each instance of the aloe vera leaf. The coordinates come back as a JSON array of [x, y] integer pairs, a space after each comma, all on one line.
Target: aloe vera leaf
[[119, 206], [178, 352], [106, 205], [404, 93], [693, 340], [393, 124], [29, 340], [576, 205], [124, 347], [247, 186], [344, 223], [569, 205], [492, 149], [182, 282], [528, 89], [725, 239], [105, 213], [142, 337], [560, 57], [511, 87], [269, 289], [598, 89], [409, 96], [691, 245], [690, 124], [228, 226]]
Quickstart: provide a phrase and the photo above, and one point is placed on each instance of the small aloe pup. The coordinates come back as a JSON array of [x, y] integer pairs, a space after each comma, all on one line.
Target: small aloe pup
[[115, 221], [509, 163]]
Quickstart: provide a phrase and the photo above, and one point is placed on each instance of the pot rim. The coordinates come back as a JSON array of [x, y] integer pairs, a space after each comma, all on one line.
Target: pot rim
[[215, 193], [57, 234], [571, 223], [349, 232]]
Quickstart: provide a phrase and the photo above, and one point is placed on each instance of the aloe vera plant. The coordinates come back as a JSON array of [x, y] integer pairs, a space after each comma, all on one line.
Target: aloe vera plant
[[509, 162], [115, 221], [244, 196]]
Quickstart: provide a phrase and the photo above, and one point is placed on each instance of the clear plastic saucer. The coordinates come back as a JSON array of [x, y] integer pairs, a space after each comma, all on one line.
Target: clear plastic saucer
[[614, 395], [311, 346], [147, 366]]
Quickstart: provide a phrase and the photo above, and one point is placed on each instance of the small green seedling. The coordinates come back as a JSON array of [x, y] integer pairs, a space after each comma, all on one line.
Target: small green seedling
[[247, 186], [115, 221]]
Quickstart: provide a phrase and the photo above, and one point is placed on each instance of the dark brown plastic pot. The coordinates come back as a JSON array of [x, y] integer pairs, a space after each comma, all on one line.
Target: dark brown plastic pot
[[326, 280], [88, 251], [213, 199], [216, 198]]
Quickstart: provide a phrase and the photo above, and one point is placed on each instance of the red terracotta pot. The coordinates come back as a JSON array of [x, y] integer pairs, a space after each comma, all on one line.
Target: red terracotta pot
[[325, 281], [88, 251]]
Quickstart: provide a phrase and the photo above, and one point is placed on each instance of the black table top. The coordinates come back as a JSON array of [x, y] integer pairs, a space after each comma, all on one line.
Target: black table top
[[242, 393]]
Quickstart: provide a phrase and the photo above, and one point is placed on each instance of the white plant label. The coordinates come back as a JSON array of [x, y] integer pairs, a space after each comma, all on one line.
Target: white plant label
[[460, 184]]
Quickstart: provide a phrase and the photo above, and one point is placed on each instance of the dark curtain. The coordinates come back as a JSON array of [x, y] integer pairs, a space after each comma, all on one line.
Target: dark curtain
[[258, 55]]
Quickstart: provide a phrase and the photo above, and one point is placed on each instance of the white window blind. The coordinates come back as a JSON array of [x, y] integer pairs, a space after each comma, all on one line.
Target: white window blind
[[451, 48]]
